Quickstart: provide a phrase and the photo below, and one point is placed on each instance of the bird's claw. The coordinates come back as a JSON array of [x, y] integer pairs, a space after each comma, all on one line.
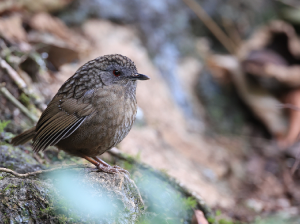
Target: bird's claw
[[112, 169], [120, 169]]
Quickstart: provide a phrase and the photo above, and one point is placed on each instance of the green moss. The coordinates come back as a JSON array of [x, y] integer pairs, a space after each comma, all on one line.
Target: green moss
[[25, 99], [46, 210], [127, 166], [62, 219], [3, 125], [224, 221], [138, 156], [68, 159], [7, 187], [164, 171], [189, 202], [218, 220], [6, 221]]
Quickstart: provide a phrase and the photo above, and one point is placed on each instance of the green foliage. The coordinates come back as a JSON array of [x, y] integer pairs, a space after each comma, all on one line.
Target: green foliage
[[218, 213], [46, 210], [3, 125], [24, 99], [7, 187], [138, 156], [218, 220], [127, 166], [224, 221], [190, 202]]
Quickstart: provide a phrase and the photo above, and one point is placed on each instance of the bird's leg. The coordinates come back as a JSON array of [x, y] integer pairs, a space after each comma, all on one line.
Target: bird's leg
[[105, 167], [114, 168], [100, 166], [90, 160], [100, 161]]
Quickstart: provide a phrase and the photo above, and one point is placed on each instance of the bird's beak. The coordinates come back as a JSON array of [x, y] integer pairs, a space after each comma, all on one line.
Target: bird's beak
[[139, 77]]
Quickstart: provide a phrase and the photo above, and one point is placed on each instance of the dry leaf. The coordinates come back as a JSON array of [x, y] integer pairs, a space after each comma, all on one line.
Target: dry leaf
[[32, 5], [263, 104], [59, 52], [11, 29], [263, 38], [274, 53], [266, 74], [45, 23], [62, 44]]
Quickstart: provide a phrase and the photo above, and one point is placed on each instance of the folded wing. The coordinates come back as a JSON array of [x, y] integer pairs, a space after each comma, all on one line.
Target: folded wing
[[62, 117]]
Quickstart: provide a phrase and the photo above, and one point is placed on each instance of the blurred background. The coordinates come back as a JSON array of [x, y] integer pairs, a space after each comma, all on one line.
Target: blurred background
[[221, 113]]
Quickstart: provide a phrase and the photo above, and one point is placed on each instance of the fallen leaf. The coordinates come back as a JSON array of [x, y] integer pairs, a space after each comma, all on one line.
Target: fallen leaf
[[60, 43], [45, 23], [11, 29], [264, 105]]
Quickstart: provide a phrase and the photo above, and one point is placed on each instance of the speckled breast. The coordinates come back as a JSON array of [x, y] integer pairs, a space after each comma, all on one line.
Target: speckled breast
[[114, 116]]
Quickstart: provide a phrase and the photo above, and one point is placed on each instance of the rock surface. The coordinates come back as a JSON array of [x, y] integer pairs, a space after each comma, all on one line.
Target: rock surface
[[18, 159], [77, 195]]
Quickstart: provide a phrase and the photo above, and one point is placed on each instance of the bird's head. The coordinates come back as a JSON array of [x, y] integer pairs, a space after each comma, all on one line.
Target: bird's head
[[118, 69]]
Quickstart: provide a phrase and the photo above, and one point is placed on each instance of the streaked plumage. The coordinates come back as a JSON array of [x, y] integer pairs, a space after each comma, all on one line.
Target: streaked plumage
[[92, 112]]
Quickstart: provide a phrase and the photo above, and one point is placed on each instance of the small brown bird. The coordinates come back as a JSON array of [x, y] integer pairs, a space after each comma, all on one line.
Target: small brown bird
[[92, 111]]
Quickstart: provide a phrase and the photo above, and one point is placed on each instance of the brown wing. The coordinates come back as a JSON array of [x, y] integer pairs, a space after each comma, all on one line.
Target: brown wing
[[69, 108], [61, 118]]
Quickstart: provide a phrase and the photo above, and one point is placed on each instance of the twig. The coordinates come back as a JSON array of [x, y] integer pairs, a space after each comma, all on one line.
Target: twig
[[13, 74], [289, 106], [21, 83], [231, 31], [37, 158], [6, 170], [296, 164], [211, 25], [9, 96]]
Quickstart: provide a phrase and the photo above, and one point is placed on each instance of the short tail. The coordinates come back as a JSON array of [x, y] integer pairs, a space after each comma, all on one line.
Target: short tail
[[24, 137]]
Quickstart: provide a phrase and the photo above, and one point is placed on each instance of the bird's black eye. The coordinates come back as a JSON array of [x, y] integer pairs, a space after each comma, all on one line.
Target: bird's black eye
[[117, 73]]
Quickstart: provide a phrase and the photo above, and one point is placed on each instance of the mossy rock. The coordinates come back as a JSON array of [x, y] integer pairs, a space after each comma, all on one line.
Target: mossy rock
[[18, 159], [85, 195], [81, 195], [73, 195]]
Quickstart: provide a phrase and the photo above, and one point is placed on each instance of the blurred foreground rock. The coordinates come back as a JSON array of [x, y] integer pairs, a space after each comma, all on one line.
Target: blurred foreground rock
[[80, 195]]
